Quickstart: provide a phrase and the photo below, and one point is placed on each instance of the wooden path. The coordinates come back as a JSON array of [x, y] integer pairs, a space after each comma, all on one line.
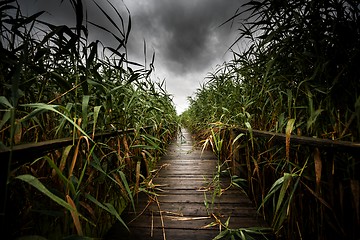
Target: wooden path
[[185, 208]]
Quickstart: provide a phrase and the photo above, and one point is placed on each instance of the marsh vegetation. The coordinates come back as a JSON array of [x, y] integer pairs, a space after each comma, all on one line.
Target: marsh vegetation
[[295, 70], [298, 75], [57, 83]]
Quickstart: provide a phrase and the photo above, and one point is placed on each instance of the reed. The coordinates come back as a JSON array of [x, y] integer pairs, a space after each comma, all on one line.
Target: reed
[[298, 77], [56, 82]]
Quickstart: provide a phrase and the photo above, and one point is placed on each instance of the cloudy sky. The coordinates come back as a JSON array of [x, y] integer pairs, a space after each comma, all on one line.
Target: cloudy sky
[[185, 36]]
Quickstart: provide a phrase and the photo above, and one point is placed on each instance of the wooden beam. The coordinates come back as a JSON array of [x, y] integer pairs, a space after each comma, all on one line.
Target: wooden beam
[[25, 153], [309, 141]]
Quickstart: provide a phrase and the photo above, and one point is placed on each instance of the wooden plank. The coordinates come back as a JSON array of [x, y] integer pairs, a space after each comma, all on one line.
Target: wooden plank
[[197, 157], [190, 162], [182, 234], [193, 223], [158, 234], [189, 165], [170, 234], [199, 172], [198, 197], [197, 209]]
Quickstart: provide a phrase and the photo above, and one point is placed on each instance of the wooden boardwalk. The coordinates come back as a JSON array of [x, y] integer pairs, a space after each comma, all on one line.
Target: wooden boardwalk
[[184, 207]]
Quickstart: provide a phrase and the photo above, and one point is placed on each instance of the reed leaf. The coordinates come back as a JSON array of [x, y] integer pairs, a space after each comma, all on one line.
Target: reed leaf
[[96, 115], [5, 102], [107, 207], [318, 169], [60, 174], [33, 181], [85, 106], [75, 216], [126, 185], [41, 107], [289, 128]]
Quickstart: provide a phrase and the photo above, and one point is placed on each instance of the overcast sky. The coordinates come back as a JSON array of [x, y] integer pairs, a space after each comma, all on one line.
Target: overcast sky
[[186, 38], [184, 34]]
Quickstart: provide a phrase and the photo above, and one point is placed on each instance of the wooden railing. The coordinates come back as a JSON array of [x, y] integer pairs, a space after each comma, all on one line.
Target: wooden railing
[[307, 141], [25, 153], [326, 181]]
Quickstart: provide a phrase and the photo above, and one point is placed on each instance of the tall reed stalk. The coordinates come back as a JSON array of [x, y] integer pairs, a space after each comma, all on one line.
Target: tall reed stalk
[[55, 83], [298, 76]]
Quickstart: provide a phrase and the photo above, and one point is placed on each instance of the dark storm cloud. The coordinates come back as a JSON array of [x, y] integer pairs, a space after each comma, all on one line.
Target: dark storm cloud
[[185, 33], [56, 11], [63, 13]]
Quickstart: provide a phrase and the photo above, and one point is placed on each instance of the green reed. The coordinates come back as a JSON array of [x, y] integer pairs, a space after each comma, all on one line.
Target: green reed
[[296, 76], [55, 83]]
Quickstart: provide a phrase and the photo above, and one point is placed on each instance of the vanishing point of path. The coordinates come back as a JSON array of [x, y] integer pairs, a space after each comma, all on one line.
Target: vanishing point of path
[[184, 208]]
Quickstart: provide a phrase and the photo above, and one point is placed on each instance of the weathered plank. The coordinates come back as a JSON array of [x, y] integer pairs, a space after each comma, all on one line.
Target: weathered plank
[[186, 206], [197, 209], [190, 222]]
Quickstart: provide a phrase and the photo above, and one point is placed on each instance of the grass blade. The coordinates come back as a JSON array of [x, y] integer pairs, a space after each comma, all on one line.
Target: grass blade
[[75, 216], [39, 186]]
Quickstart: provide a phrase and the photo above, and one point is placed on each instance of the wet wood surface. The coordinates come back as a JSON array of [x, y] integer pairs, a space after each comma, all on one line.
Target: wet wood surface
[[185, 206]]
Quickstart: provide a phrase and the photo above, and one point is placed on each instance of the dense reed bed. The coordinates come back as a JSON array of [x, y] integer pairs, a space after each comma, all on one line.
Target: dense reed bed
[[295, 72], [56, 83]]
